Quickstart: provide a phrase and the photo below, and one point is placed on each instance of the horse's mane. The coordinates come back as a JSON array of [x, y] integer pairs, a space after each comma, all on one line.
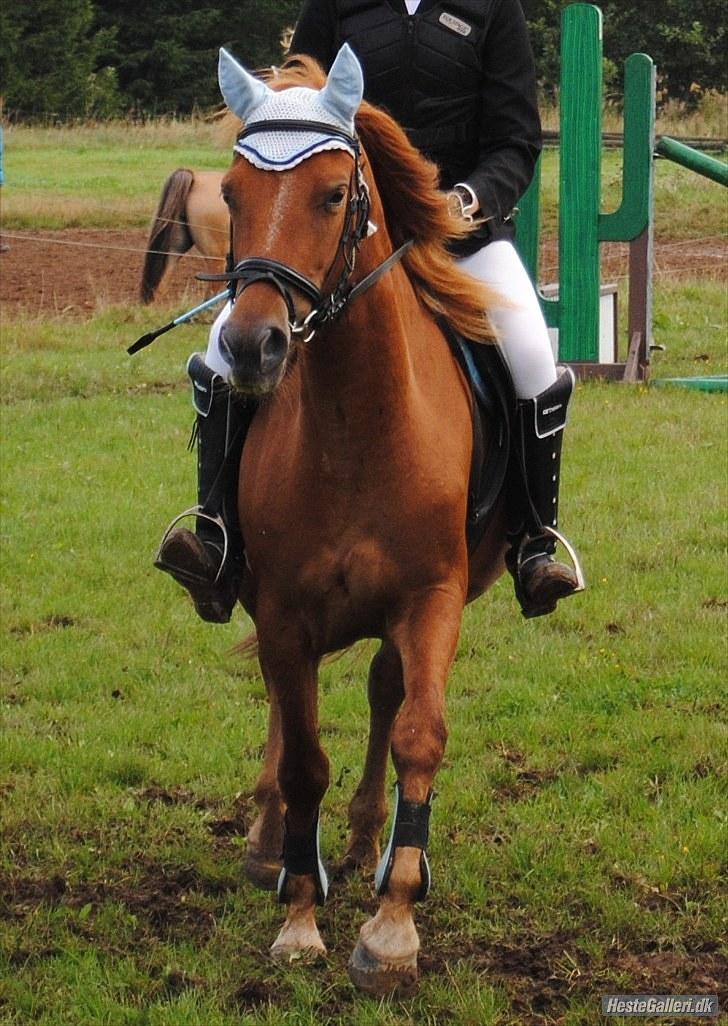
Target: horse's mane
[[414, 207]]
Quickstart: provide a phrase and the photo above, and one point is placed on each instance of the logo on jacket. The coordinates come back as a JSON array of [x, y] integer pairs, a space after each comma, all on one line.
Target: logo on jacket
[[455, 24]]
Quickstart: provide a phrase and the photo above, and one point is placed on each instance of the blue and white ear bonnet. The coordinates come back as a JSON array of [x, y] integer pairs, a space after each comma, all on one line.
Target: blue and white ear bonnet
[[282, 129], [271, 139]]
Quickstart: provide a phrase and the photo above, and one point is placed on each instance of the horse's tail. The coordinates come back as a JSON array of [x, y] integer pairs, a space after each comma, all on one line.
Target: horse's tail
[[169, 234], [248, 647]]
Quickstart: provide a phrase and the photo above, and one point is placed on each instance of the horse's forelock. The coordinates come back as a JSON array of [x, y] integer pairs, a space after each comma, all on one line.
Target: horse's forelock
[[297, 70]]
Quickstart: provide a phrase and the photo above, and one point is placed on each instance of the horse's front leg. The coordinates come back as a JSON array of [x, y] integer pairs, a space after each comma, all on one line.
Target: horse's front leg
[[385, 957], [368, 807], [303, 777]]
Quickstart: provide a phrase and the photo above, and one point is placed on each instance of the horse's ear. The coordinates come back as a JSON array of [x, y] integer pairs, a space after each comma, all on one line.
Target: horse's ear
[[241, 91], [344, 89]]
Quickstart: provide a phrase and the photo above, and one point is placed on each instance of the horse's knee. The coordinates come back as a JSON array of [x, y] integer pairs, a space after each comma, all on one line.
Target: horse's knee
[[303, 777], [418, 741]]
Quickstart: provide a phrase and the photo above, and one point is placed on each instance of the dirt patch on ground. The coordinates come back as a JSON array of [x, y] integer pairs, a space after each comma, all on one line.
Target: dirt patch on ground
[[524, 781], [167, 900], [76, 271], [544, 975], [236, 824]]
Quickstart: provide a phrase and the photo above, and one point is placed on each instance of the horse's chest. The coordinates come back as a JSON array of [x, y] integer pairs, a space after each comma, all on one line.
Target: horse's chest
[[351, 575]]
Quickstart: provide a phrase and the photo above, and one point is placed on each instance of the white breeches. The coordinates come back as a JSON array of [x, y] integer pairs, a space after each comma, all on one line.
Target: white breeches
[[213, 359], [520, 327]]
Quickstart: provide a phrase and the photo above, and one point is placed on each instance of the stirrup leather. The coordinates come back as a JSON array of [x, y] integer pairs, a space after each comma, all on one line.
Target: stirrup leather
[[200, 513]]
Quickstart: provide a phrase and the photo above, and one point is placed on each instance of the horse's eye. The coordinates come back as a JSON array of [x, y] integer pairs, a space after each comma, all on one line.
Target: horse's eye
[[336, 198]]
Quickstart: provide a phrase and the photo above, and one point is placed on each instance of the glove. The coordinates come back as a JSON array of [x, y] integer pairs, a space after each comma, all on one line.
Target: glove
[[463, 203]]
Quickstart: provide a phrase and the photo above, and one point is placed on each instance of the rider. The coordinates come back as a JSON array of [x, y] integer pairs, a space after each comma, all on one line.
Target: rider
[[459, 77]]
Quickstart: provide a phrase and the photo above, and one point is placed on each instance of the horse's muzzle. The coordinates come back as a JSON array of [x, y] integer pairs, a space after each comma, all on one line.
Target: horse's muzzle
[[257, 355]]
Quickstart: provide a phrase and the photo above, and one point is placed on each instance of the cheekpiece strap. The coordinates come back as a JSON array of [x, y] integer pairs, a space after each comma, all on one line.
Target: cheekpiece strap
[[410, 829], [302, 857]]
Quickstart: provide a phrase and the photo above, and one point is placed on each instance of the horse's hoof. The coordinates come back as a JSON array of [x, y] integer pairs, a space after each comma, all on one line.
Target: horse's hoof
[[287, 954], [262, 873], [381, 978]]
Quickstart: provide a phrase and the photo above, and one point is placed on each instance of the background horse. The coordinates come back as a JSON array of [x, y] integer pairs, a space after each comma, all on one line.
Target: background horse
[[190, 213], [353, 488]]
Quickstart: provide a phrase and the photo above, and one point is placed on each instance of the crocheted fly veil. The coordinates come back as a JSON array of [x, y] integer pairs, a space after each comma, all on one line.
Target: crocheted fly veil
[[270, 139]]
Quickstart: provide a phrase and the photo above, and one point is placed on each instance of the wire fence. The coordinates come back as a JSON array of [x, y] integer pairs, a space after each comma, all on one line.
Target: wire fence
[[714, 257]]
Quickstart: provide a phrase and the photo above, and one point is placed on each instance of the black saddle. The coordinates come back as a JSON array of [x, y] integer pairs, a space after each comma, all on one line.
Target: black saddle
[[494, 404]]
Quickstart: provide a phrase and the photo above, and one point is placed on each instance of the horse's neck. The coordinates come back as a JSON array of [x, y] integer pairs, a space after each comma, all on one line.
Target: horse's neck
[[364, 357]]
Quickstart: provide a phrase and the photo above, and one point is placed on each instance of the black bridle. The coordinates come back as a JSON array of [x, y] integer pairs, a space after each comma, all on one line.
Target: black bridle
[[326, 306]]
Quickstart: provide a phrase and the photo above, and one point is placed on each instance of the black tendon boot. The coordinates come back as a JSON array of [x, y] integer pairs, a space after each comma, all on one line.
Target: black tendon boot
[[540, 580], [209, 562]]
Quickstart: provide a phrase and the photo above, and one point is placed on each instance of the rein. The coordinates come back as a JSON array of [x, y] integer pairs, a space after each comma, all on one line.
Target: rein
[[326, 307]]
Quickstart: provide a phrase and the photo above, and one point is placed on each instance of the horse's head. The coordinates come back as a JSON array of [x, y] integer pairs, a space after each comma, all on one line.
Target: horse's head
[[298, 209]]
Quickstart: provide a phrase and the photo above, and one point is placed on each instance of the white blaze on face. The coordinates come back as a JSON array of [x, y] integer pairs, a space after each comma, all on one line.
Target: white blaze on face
[[276, 211]]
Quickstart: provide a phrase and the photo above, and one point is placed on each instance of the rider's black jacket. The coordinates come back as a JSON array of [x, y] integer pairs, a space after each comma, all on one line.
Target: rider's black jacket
[[458, 76]]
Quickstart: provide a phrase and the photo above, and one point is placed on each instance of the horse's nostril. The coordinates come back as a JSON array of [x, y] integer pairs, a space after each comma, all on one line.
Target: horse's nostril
[[273, 349], [256, 352]]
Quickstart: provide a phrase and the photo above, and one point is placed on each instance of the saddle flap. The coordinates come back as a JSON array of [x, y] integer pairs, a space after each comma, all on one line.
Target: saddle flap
[[494, 408]]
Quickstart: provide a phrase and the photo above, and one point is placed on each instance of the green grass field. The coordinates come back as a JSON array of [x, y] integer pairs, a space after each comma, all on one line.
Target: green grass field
[[579, 833], [110, 176]]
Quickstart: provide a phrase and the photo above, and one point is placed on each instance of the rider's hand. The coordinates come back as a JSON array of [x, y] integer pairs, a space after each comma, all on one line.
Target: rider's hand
[[463, 202]]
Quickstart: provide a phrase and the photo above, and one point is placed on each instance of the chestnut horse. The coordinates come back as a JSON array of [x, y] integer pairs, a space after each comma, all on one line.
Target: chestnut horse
[[353, 486], [190, 213]]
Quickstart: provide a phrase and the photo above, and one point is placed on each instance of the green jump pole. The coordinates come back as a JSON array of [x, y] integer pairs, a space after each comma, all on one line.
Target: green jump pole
[[580, 186], [528, 224], [634, 221], [636, 209], [692, 159]]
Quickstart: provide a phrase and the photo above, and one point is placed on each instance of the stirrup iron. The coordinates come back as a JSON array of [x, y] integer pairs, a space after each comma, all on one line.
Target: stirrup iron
[[216, 519], [552, 532]]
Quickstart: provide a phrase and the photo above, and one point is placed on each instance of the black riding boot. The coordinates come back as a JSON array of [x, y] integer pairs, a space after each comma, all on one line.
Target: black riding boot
[[540, 580], [209, 562]]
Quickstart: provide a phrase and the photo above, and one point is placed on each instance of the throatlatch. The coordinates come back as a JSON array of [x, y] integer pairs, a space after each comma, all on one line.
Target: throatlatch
[[410, 829], [302, 857]]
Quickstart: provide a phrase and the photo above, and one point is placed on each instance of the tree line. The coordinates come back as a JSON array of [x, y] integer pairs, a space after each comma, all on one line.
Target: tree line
[[101, 58]]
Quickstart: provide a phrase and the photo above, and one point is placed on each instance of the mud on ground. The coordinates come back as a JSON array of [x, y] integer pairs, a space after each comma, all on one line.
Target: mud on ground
[[75, 272]]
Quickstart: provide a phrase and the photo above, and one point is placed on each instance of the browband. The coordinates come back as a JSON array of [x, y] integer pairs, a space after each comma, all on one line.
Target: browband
[[293, 125]]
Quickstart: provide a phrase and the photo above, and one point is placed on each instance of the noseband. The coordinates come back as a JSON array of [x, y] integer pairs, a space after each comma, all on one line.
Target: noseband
[[325, 307]]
